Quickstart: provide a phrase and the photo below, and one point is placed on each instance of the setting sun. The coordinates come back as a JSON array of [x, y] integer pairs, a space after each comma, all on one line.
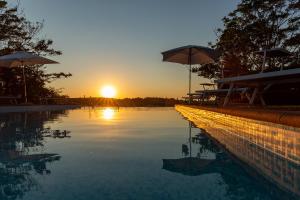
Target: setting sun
[[108, 91]]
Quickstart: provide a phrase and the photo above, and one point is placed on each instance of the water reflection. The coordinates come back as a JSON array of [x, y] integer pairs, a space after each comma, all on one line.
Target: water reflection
[[273, 167], [279, 139], [189, 165], [108, 113], [268, 152], [22, 137]]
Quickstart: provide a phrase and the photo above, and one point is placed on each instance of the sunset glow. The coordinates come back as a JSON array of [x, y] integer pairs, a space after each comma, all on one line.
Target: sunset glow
[[108, 113], [108, 92]]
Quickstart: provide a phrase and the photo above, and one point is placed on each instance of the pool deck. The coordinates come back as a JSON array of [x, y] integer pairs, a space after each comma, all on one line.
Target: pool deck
[[284, 115], [36, 108]]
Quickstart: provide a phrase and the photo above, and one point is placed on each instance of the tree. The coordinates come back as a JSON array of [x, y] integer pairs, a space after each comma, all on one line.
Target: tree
[[19, 34], [256, 25]]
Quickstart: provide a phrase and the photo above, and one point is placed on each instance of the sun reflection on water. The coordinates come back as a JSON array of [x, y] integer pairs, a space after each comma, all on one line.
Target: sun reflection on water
[[108, 113]]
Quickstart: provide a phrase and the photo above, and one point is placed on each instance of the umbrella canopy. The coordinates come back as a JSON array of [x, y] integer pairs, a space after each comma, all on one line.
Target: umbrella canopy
[[191, 55], [275, 52], [187, 166], [21, 58], [272, 53]]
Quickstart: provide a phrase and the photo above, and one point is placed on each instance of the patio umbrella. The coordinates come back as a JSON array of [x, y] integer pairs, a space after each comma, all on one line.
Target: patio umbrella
[[190, 55], [22, 59], [272, 53]]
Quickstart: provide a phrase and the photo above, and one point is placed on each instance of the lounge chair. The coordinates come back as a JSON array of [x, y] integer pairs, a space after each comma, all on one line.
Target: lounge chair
[[207, 94], [193, 96], [11, 99], [259, 83]]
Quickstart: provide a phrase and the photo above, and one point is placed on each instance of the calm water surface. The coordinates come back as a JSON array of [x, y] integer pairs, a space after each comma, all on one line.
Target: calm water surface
[[129, 153]]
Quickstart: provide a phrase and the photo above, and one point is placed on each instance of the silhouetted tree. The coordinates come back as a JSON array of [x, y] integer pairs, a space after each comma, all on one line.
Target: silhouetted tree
[[19, 34], [252, 26]]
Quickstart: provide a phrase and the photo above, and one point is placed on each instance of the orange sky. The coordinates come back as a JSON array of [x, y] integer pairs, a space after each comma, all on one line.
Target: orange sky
[[119, 42]]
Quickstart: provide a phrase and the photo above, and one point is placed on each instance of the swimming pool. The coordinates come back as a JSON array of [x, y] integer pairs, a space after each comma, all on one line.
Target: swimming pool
[[125, 153]]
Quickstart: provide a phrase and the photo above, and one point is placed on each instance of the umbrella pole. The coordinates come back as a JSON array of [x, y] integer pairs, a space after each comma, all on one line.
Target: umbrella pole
[[190, 138], [190, 75], [264, 60], [24, 81]]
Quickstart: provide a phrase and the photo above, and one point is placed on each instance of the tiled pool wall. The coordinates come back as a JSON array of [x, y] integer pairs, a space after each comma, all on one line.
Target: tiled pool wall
[[272, 149]]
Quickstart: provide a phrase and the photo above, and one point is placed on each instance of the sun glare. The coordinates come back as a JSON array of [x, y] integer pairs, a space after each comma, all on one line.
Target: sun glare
[[108, 113], [108, 91]]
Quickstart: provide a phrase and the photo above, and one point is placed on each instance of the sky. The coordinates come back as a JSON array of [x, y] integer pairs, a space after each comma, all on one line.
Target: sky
[[119, 42]]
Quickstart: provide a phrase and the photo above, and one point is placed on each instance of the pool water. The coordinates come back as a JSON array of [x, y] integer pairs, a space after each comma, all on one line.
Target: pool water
[[125, 153]]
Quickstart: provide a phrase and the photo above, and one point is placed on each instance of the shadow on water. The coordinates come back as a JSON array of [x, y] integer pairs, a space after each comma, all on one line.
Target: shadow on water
[[243, 181], [22, 137]]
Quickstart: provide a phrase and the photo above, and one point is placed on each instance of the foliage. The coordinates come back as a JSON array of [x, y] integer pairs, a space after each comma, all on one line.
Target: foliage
[[256, 25], [210, 70], [19, 34]]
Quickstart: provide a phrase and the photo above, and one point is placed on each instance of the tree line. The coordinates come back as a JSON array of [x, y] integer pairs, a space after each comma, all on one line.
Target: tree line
[[126, 102]]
